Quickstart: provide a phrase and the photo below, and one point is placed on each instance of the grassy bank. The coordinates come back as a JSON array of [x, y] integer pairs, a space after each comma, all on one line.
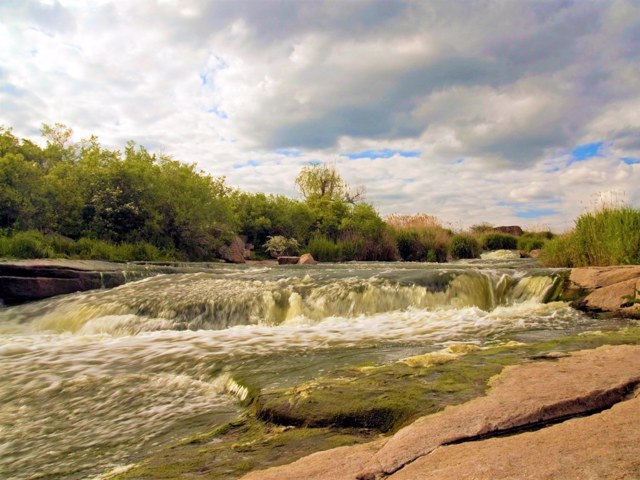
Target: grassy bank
[[607, 237], [33, 244]]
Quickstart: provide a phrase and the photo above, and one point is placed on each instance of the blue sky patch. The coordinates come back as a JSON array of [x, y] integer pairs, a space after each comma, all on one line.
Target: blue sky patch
[[312, 162], [218, 113], [586, 151], [249, 163], [289, 152], [536, 213], [630, 160], [382, 153]]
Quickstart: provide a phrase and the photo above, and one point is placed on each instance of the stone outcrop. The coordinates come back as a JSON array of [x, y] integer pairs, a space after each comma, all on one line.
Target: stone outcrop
[[510, 229], [37, 279], [307, 259], [608, 289], [568, 417], [235, 252]]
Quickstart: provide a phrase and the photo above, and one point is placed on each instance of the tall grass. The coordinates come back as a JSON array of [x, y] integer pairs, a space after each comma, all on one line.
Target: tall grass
[[34, 244], [610, 236]]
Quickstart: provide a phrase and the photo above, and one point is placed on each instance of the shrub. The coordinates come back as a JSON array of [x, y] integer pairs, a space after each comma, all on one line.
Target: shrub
[[499, 241], [559, 252], [29, 244], [422, 244], [278, 245], [610, 236], [529, 242], [464, 246], [324, 249]]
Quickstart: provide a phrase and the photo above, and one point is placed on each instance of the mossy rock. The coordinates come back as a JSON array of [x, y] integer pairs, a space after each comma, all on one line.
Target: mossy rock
[[349, 406]]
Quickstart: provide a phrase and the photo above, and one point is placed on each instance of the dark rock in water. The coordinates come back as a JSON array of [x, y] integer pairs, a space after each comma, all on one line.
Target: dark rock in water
[[288, 260], [234, 252], [511, 230], [34, 280]]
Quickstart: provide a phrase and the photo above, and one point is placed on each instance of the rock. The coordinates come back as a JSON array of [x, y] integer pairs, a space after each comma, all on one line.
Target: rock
[[288, 260], [511, 230], [608, 289], [234, 252], [602, 446], [338, 463], [453, 443], [307, 259], [535, 253], [30, 280]]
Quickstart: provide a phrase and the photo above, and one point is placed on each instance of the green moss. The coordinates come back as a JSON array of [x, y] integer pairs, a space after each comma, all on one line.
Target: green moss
[[235, 448]]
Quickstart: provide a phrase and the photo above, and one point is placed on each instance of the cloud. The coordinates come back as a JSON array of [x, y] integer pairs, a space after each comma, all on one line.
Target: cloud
[[498, 98]]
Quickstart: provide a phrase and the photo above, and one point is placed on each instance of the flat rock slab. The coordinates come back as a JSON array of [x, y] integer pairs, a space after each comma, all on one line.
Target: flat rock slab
[[607, 288], [524, 396]]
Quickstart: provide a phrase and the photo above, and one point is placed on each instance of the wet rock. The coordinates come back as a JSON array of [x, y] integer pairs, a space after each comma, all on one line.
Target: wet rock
[[26, 281], [234, 252], [454, 443], [608, 289], [307, 259], [288, 260]]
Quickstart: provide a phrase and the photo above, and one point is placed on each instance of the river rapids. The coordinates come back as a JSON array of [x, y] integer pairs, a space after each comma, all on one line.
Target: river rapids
[[92, 381]]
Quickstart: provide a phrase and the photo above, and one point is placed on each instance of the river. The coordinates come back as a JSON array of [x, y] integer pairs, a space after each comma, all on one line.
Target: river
[[94, 380]]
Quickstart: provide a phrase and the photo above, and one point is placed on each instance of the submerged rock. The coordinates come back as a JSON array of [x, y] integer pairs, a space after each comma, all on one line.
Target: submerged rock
[[288, 260]]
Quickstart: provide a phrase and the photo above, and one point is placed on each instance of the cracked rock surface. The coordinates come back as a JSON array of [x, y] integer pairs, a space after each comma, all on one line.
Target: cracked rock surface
[[589, 395]]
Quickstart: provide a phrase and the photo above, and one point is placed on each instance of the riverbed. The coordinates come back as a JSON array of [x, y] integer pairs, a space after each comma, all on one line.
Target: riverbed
[[95, 380]]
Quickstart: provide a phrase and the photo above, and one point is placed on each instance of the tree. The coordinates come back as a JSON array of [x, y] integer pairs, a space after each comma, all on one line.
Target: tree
[[321, 181]]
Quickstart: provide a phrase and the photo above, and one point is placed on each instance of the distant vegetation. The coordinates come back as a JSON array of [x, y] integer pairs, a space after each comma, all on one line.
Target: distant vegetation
[[610, 236], [81, 200]]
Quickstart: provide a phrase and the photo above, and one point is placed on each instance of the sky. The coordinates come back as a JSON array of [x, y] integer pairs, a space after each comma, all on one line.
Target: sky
[[507, 112]]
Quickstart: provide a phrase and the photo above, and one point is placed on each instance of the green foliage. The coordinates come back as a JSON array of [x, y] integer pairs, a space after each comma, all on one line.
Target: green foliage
[[417, 244], [531, 241], [607, 237], [33, 244], [278, 245], [464, 246], [499, 241], [324, 249], [559, 252], [28, 244]]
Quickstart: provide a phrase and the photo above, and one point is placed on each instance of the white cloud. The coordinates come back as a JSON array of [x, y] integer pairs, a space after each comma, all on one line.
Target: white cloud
[[495, 96]]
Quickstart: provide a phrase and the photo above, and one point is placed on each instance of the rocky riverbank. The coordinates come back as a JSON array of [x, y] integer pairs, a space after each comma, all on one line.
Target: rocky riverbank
[[567, 417], [613, 290]]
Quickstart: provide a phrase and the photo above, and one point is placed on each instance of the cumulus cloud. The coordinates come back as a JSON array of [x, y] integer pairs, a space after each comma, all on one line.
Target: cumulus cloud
[[493, 96]]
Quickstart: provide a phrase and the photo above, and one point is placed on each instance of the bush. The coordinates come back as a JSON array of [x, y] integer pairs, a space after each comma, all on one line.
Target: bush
[[528, 242], [422, 244], [324, 249], [608, 237], [499, 241], [29, 244], [559, 252], [278, 246], [464, 246]]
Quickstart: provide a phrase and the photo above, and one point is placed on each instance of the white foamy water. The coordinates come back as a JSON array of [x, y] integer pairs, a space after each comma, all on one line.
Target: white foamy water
[[89, 381]]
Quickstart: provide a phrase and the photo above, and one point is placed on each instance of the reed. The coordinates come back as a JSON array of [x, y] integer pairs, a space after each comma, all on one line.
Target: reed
[[609, 236]]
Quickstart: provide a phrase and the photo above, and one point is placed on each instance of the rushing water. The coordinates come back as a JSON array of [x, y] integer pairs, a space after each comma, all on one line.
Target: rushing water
[[91, 380]]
